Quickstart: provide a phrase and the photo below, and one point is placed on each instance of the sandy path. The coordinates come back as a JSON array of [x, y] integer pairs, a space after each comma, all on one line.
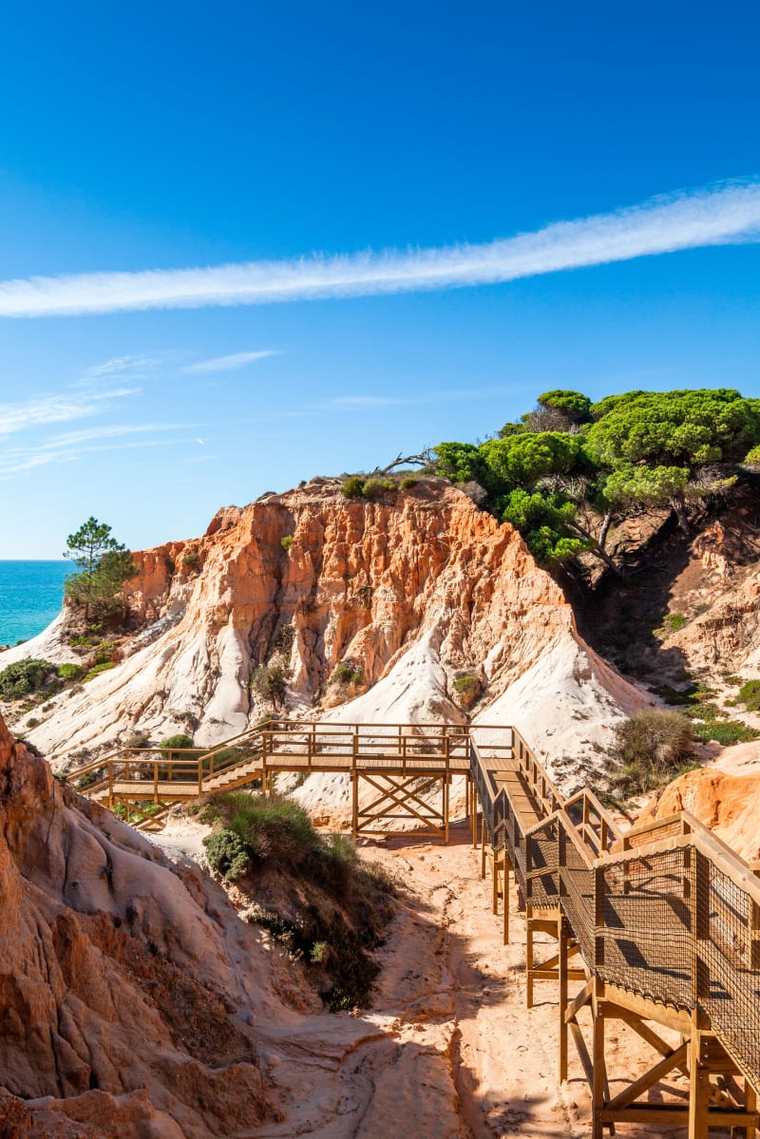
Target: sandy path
[[449, 1050]]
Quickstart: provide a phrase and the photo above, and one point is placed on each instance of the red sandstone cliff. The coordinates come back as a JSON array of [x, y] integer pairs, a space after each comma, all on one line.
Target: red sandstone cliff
[[411, 590], [128, 990]]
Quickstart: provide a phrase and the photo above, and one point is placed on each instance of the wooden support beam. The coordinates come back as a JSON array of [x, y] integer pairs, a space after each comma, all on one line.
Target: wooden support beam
[[598, 1073], [562, 937], [354, 805], [580, 1001], [529, 963], [582, 1050], [507, 868], [699, 1087], [648, 1079]]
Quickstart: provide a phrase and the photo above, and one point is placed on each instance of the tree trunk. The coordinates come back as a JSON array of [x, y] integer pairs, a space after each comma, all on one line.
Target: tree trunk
[[679, 509], [606, 523]]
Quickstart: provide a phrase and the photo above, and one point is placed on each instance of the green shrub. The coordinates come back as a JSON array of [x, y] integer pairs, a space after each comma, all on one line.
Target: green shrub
[[24, 677], [286, 542], [353, 487], [104, 666], [704, 711], [467, 687], [191, 561], [269, 827], [672, 622], [33, 722], [270, 682], [649, 750], [227, 855], [105, 653], [82, 641], [172, 743], [345, 910], [749, 695], [69, 671], [87, 780], [375, 488], [725, 732], [752, 458], [409, 482], [346, 672]]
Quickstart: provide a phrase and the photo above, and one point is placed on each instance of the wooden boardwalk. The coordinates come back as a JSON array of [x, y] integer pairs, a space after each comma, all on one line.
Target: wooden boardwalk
[[656, 927], [406, 769]]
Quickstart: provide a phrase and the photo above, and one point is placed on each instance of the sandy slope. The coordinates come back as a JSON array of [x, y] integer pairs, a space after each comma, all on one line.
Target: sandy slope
[[449, 1049]]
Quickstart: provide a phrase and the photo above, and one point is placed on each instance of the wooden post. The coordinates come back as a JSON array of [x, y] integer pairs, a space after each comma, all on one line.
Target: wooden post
[[482, 844], [699, 1086], [473, 813], [750, 1104], [598, 1067], [355, 804], [495, 881], [445, 795], [563, 1029], [155, 781], [528, 961], [507, 869]]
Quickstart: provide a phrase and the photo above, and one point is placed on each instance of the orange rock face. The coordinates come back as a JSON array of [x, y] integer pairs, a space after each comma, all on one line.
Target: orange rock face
[[725, 797], [122, 1003], [410, 591]]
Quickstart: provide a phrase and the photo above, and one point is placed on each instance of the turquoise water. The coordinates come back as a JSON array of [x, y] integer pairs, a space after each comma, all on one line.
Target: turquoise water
[[30, 596]]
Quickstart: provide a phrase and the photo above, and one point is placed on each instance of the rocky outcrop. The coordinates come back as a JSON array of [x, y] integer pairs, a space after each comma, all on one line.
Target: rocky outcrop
[[129, 991], [725, 796], [409, 591]]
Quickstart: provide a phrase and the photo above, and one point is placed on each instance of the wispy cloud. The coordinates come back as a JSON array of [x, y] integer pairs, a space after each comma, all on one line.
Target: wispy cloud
[[231, 363], [121, 367], [19, 461], [451, 395], [114, 431], [48, 409], [714, 216]]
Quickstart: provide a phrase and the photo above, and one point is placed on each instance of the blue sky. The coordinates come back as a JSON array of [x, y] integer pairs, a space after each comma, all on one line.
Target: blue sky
[[185, 137]]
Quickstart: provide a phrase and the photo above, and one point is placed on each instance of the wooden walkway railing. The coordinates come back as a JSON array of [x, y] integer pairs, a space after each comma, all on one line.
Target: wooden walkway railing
[[665, 923], [660, 924]]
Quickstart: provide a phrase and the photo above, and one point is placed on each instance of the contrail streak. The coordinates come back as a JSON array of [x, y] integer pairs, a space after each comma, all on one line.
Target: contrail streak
[[718, 215]]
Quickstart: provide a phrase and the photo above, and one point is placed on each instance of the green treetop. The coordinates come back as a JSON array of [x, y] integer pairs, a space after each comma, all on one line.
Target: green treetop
[[104, 565]]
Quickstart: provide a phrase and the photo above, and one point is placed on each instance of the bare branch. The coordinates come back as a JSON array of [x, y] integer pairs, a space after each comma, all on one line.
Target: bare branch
[[423, 459]]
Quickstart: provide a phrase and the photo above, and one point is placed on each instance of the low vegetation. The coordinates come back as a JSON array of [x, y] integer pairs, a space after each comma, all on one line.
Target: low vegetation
[[25, 677], [270, 682], [371, 487], [468, 687], [650, 749], [97, 669], [173, 743], [336, 909], [749, 695], [347, 673]]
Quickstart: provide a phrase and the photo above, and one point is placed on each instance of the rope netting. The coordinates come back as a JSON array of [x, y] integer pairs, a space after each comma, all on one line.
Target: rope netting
[[670, 925]]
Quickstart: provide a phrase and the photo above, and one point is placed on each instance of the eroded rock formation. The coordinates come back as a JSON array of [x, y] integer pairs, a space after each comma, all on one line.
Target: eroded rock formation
[[410, 591], [129, 991]]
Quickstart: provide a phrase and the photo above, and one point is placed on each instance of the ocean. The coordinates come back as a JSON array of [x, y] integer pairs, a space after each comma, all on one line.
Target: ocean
[[31, 594]]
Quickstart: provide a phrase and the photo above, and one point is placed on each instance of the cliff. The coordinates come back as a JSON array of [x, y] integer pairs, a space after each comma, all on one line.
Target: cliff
[[409, 592], [128, 989]]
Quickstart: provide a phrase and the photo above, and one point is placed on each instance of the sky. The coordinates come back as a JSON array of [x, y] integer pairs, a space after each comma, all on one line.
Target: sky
[[244, 244]]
